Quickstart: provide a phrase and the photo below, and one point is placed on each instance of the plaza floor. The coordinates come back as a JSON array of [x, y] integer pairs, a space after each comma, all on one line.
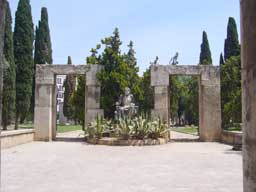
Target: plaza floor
[[70, 165]]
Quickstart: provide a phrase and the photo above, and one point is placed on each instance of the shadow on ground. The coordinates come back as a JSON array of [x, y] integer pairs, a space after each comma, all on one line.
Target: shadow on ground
[[69, 139]]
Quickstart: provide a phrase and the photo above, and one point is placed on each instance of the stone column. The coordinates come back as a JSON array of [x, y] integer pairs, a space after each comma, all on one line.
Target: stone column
[[209, 105], [92, 95], [248, 31], [54, 110], [44, 105], [160, 81]]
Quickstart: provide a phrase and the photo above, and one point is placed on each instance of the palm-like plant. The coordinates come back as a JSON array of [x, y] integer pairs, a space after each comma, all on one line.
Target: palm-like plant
[[125, 128], [98, 127], [142, 127], [158, 128]]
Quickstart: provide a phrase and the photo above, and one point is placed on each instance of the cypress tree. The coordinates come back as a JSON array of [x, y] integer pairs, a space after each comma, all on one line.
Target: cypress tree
[[43, 46], [9, 94], [147, 103], [115, 75], [2, 22], [232, 47], [69, 85], [132, 72], [205, 55], [221, 59], [23, 54]]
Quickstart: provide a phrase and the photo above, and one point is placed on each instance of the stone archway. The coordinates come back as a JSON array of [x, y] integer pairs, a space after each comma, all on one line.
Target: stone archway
[[45, 96], [209, 96]]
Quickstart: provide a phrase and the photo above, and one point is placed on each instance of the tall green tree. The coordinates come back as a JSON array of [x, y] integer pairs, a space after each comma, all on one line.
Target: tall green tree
[[70, 86], [2, 23], [43, 48], [23, 54], [132, 72], [231, 80], [114, 76], [147, 102], [221, 59], [43, 45], [9, 90], [232, 47], [78, 101], [205, 55]]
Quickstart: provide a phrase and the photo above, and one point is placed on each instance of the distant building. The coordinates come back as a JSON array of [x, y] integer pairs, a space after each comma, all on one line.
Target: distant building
[[60, 90]]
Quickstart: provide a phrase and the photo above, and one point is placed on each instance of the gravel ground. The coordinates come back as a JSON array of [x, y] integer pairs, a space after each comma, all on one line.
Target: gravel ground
[[69, 166]]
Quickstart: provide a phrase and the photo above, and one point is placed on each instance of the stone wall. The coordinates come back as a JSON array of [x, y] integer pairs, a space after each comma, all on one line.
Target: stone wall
[[16, 137], [231, 137]]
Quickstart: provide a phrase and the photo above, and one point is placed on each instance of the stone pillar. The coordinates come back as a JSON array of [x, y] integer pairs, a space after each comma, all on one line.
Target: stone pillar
[[209, 105], [161, 103], [92, 95], [160, 81], [248, 31], [54, 110], [44, 105]]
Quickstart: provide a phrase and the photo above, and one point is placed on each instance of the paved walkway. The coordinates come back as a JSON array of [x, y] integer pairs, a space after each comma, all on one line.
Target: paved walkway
[[68, 166]]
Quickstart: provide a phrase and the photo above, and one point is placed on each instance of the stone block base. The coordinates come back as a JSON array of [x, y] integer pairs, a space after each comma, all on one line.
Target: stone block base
[[111, 141]]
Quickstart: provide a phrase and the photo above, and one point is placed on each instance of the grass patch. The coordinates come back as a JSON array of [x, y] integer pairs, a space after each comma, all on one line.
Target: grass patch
[[234, 129], [187, 130], [68, 128], [26, 126]]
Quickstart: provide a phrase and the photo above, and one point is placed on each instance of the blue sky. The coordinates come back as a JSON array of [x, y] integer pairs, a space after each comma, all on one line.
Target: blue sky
[[158, 28]]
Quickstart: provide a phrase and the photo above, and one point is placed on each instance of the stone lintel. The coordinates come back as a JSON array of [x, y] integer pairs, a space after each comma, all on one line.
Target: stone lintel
[[186, 69], [159, 76], [63, 69]]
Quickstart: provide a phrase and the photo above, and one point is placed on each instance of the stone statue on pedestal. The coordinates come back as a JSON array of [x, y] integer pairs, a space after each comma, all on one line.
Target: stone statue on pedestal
[[125, 107]]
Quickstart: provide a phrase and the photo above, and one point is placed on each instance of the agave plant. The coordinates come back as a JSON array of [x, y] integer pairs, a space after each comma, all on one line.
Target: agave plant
[[158, 128], [98, 127], [125, 128], [142, 127]]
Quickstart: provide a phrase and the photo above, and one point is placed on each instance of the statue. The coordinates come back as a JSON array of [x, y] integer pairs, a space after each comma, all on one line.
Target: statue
[[125, 107]]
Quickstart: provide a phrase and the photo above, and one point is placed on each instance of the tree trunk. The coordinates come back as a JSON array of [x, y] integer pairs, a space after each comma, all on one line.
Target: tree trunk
[[17, 122]]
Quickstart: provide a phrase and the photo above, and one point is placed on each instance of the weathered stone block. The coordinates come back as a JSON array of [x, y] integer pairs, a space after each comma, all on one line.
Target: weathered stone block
[[43, 124], [91, 75], [209, 113], [93, 97], [161, 97], [159, 76]]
